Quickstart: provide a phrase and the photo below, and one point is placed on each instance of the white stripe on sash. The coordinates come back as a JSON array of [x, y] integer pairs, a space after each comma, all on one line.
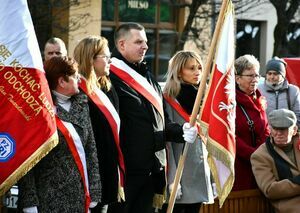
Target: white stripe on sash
[[107, 103], [79, 149], [142, 81]]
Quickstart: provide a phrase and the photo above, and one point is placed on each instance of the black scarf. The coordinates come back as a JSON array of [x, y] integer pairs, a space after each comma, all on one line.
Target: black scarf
[[282, 166], [187, 96]]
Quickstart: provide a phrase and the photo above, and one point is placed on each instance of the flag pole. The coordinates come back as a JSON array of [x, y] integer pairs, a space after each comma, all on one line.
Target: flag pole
[[197, 103]]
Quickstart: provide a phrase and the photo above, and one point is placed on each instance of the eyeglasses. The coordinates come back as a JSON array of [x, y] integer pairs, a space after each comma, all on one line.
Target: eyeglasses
[[252, 76], [106, 57]]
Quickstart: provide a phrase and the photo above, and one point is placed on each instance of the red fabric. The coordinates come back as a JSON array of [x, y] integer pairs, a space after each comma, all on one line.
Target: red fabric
[[216, 118], [77, 159], [26, 109], [138, 87], [293, 70], [244, 178], [113, 125]]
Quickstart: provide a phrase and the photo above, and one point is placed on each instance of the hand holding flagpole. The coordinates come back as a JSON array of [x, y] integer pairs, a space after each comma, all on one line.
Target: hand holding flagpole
[[197, 103]]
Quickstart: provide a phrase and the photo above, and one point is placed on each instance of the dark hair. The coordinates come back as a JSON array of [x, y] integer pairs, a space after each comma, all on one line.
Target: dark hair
[[58, 67], [123, 30]]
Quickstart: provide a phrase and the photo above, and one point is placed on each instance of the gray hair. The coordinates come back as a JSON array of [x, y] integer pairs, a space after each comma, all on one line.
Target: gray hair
[[246, 62]]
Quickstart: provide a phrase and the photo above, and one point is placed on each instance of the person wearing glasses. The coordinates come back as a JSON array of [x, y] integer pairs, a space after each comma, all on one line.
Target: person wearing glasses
[[62, 181], [251, 123], [278, 91], [93, 55]]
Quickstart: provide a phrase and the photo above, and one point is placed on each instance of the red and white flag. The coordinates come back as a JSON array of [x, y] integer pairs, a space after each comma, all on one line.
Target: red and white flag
[[217, 116], [27, 123]]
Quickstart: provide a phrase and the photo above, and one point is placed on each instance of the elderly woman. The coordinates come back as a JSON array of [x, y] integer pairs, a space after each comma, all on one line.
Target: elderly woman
[[62, 181], [251, 125]]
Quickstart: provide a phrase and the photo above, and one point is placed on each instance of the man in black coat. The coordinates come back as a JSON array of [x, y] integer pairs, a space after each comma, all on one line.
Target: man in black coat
[[143, 123]]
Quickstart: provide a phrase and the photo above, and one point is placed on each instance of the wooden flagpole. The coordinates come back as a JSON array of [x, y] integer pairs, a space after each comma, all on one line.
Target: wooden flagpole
[[197, 103]]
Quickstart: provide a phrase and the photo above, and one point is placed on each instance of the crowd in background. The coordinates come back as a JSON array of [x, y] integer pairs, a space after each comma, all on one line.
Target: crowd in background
[[130, 133]]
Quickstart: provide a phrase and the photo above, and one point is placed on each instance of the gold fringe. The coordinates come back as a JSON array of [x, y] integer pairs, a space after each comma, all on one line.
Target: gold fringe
[[30, 162], [121, 194], [159, 200]]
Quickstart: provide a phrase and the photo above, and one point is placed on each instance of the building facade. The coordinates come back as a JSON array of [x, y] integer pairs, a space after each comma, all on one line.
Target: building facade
[[164, 21]]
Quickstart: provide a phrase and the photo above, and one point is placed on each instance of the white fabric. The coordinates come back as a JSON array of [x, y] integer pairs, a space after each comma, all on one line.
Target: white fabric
[[32, 209], [189, 133], [139, 78], [79, 148], [63, 100], [23, 44], [107, 103], [179, 191], [93, 204]]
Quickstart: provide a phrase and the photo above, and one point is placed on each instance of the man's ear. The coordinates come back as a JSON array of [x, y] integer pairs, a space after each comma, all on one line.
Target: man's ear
[[295, 129], [121, 44]]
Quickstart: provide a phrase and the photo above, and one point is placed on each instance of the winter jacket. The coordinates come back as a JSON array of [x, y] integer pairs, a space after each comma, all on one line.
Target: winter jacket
[[54, 184], [283, 194], [245, 146], [287, 97], [195, 181]]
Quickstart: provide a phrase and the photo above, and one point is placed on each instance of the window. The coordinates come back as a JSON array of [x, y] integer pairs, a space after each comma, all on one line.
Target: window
[[157, 16], [248, 38], [293, 38]]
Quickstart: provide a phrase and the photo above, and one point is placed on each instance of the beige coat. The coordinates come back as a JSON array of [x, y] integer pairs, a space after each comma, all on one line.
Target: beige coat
[[284, 195]]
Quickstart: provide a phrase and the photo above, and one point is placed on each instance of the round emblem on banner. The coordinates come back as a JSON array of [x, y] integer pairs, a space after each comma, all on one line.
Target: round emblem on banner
[[7, 147]]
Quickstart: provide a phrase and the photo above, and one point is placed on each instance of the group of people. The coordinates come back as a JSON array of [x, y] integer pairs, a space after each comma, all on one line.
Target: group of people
[[121, 136], [267, 135]]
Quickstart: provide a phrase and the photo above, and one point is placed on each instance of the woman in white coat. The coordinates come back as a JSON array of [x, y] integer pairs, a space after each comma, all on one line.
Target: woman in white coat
[[183, 78]]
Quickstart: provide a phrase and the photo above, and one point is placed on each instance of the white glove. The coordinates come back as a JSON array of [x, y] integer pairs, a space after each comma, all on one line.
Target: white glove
[[32, 209], [189, 133], [93, 204], [179, 192], [214, 188]]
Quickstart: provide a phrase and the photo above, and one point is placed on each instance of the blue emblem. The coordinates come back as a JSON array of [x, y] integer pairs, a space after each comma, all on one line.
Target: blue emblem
[[7, 147]]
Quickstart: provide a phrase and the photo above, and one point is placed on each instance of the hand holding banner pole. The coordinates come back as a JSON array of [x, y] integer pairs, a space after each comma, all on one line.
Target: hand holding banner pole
[[197, 103]]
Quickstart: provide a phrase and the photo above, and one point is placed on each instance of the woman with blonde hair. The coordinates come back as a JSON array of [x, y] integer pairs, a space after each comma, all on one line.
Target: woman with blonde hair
[[180, 91], [93, 56]]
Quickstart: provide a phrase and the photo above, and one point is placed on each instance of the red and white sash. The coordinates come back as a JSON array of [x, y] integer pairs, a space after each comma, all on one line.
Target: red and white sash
[[177, 107], [137, 82], [106, 107], [77, 150]]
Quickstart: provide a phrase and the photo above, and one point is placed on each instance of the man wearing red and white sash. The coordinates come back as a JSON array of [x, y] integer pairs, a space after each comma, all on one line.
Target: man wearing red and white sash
[[143, 122]]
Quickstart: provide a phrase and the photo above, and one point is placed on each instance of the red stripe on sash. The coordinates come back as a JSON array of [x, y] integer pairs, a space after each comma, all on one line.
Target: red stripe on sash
[[178, 108], [75, 154], [138, 87], [175, 105], [113, 124]]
